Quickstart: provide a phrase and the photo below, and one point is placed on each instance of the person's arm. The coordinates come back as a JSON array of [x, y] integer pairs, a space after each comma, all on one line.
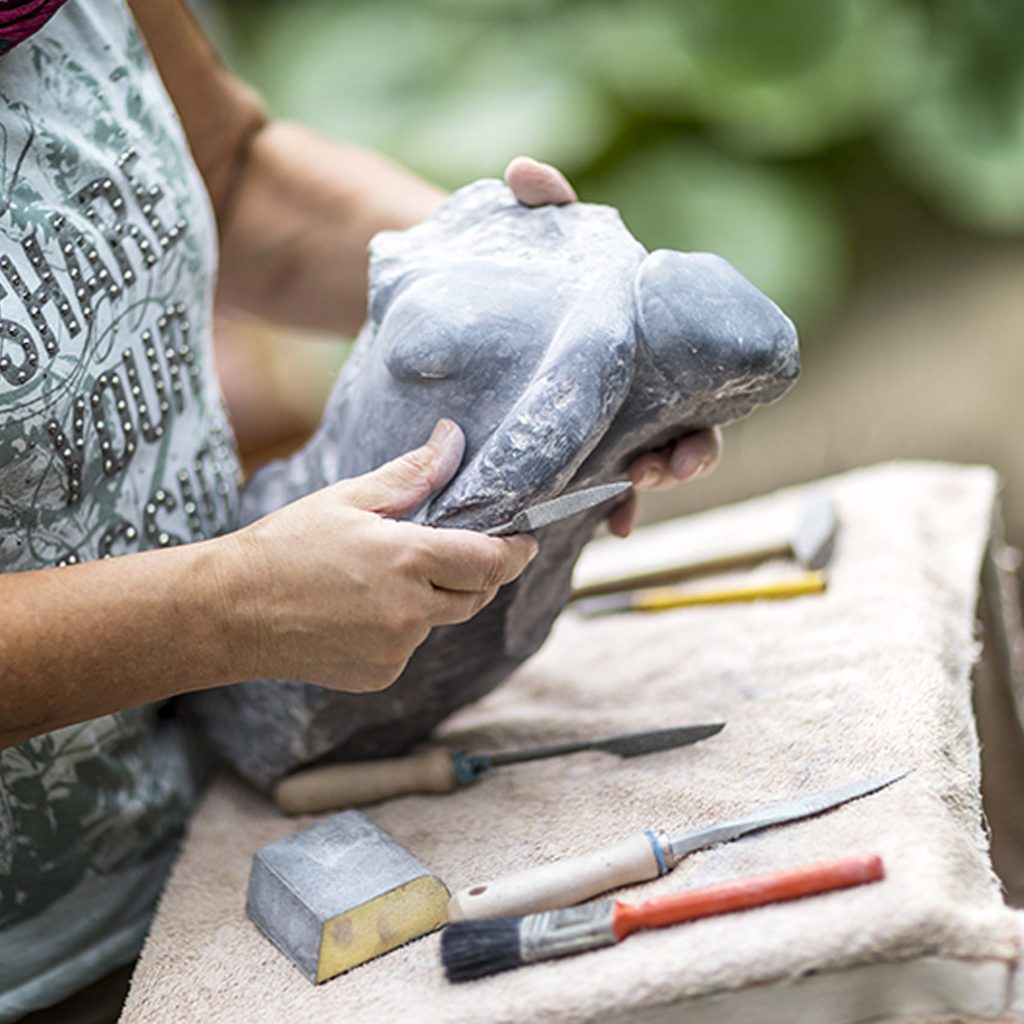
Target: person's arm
[[328, 590]]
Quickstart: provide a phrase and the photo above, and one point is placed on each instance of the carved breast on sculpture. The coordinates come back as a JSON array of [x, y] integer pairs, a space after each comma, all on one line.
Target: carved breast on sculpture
[[563, 349]]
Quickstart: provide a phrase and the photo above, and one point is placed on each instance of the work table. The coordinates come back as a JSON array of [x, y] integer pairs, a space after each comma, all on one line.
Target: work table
[[873, 675]]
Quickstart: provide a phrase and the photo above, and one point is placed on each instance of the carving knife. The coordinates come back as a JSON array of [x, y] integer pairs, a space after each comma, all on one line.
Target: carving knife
[[560, 508], [639, 858], [441, 770]]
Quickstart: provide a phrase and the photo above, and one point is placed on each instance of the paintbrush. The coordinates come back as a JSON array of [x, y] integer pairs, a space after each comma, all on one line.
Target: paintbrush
[[474, 949]]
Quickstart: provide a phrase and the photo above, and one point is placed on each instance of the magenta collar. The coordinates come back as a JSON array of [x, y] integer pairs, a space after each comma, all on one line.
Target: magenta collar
[[21, 18]]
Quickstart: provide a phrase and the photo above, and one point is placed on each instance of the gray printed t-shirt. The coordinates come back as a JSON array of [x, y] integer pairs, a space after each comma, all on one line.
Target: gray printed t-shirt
[[113, 439]]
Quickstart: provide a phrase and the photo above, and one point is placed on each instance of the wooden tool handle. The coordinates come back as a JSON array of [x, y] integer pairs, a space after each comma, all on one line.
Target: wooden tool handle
[[678, 573], [748, 892], [560, 884], [661, 600], [335, 786]]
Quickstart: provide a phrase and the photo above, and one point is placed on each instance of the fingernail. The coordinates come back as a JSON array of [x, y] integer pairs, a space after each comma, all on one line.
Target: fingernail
[[442, 431], [447, 446], [651, 478], [690, 466]]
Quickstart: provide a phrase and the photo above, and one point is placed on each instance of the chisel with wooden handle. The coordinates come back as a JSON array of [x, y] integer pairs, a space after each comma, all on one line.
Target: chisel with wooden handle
[[640, 858], [441, 770]]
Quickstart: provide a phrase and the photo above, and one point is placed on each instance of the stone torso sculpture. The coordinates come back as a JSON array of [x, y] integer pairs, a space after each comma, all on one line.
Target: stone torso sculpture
[[563, 349]]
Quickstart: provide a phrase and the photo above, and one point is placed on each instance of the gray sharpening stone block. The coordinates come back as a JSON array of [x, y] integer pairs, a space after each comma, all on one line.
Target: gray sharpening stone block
[[340, 893]]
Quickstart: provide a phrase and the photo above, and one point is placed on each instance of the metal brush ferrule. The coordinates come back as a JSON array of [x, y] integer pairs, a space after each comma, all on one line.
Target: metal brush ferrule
[[561, 932]]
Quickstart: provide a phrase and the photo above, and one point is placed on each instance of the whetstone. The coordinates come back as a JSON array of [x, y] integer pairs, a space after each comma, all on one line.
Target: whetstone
[[340, 893]]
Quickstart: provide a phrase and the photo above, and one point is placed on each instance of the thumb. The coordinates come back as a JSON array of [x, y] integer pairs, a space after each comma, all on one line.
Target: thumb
[[403, 484], [537, 184]]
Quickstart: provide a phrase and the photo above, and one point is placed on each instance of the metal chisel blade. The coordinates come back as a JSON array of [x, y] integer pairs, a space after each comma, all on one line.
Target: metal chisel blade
[[633, 744], [559, 508], [778, 813]]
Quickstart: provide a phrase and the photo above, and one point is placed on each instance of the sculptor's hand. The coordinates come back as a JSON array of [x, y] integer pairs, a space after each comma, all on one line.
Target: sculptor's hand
[[337, 593], [689, 457]]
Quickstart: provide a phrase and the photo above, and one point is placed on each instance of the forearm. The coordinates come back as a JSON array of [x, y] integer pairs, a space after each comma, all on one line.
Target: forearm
[[302, 212], [330, 589], [85, 640]]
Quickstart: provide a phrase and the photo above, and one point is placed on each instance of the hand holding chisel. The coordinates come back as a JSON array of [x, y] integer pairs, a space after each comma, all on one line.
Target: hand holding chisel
[[640, 858], [440, 770]]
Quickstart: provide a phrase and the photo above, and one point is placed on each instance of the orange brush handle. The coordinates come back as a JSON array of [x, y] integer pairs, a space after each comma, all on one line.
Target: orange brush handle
[[747, 892]]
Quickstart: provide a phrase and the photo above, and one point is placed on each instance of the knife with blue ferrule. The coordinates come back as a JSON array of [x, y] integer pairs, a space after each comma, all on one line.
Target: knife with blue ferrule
[[640, 857]]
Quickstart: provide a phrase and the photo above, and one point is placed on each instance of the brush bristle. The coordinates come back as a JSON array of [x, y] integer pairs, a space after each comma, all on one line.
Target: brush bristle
[[474, 949]]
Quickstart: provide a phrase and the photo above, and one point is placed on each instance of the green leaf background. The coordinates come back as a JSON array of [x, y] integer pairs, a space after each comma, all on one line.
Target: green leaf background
[[734, 126]]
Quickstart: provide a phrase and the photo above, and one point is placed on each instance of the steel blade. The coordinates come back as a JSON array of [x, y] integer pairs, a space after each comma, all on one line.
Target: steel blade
[[626, 745], [639, 743], [778, 813], [816, 533], [560, 508]]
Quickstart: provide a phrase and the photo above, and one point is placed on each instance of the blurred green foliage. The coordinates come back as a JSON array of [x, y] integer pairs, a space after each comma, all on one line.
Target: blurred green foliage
[[738, 126]]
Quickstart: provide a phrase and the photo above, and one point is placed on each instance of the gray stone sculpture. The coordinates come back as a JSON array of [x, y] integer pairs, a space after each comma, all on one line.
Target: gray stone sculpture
[[563, 349]]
